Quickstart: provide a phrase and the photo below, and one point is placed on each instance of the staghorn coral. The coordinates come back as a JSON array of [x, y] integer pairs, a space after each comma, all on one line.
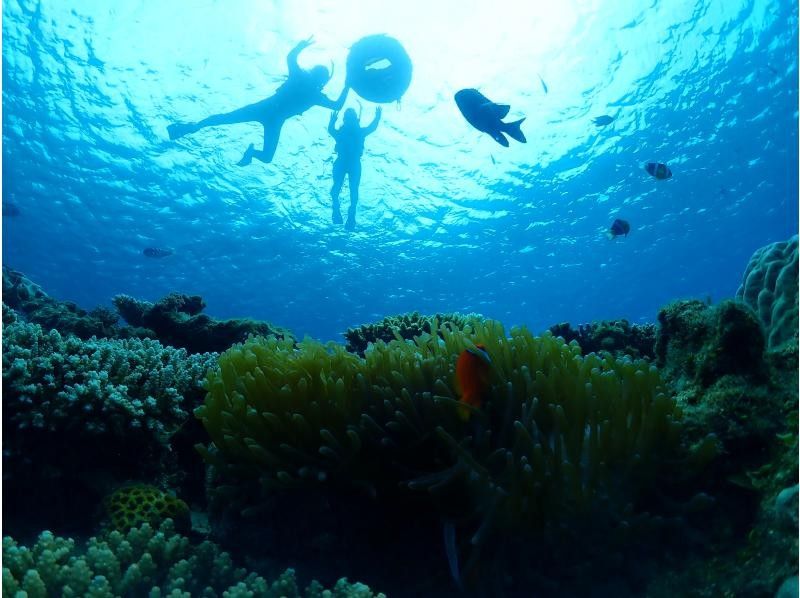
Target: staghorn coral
[[111, 386], [558, 435], [132, 505], [176, 320], [145, 561], [769, 286], [618, 337], [76, 412], [403, 327]]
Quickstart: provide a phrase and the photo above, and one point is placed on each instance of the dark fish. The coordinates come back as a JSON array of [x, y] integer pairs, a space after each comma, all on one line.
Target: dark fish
[[10, 209], [659, 170], [544, 85], [157, 252], [602, 121], [619, 227], [486, 116]]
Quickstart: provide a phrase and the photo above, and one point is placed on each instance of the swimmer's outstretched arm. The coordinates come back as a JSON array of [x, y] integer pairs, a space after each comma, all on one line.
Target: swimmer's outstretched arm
[[336, 104], [291, 57], [332, 123], [370, 128]]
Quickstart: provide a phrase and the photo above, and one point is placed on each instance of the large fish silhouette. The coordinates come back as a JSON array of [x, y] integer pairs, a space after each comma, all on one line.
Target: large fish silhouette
[[486, 116]]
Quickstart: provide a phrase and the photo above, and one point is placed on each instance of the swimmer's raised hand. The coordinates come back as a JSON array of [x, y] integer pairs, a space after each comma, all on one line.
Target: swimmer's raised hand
[[305, 43]]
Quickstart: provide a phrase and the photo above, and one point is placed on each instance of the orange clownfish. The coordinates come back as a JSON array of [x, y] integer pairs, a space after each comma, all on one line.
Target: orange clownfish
[[472, 377]]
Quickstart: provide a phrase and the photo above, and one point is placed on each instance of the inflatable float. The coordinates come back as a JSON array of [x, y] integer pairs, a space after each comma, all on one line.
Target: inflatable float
[[378, 69]]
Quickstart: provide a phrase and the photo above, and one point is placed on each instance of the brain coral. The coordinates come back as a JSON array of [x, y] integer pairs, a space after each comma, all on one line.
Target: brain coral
[[769, 286]]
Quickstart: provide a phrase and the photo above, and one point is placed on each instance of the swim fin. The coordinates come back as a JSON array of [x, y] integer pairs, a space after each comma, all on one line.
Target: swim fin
[[178, 130], [513, 130]]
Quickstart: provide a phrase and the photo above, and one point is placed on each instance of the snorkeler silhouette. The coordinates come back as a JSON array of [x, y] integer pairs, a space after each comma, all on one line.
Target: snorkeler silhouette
[[349, 147], [301, 90]]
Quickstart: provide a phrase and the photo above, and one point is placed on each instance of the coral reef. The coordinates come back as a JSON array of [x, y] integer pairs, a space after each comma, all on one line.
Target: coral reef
[[714, 357], [618, 337], [176, 320], [21, 294], [403, 327], [145, 562], [132, 505], [78, 413], [727, 381], [769, 286], [558, 436]]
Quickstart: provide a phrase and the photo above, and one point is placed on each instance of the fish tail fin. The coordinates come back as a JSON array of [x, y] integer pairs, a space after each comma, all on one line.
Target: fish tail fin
[[513, 130]]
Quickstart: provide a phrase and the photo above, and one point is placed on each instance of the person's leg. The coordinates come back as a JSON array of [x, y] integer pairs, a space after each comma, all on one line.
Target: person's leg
[[338, 181], [272, 134], [354, 174], [245, 114]]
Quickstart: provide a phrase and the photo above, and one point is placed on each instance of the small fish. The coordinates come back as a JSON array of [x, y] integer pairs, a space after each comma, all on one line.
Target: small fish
[[602, 121], [619, 227], [659, 170], [486, 116], [472, 377], [544, 85], [157, 252], [11, 210]]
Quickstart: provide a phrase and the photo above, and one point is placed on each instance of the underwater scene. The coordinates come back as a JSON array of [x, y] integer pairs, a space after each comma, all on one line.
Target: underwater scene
[[327, 299]]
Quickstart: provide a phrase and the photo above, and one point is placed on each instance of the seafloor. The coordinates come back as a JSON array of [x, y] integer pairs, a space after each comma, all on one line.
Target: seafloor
[[179, 455]]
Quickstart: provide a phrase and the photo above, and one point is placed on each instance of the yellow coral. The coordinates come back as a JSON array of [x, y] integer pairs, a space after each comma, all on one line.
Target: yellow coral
[[131, 506]]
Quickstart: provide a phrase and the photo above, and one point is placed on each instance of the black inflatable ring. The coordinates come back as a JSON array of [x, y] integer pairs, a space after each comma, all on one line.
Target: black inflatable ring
[[368, 75]]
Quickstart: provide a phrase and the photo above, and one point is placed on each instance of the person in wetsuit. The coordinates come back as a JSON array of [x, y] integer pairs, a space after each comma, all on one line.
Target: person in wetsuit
[[349, 147], [301, 90]]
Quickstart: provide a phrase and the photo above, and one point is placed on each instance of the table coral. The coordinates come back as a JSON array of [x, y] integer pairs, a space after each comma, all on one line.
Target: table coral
[[176, 320], [769, 286], [145, 561], [22, 294]]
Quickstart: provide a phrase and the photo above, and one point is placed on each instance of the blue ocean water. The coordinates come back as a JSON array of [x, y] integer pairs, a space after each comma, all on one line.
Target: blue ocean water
[[448, 219]]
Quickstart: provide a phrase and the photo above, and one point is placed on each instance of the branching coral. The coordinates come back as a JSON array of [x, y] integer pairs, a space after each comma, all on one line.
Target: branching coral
[[142, 562], [100, 386], [405, 326], [769, 286], [77, 411], [557, 434]]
